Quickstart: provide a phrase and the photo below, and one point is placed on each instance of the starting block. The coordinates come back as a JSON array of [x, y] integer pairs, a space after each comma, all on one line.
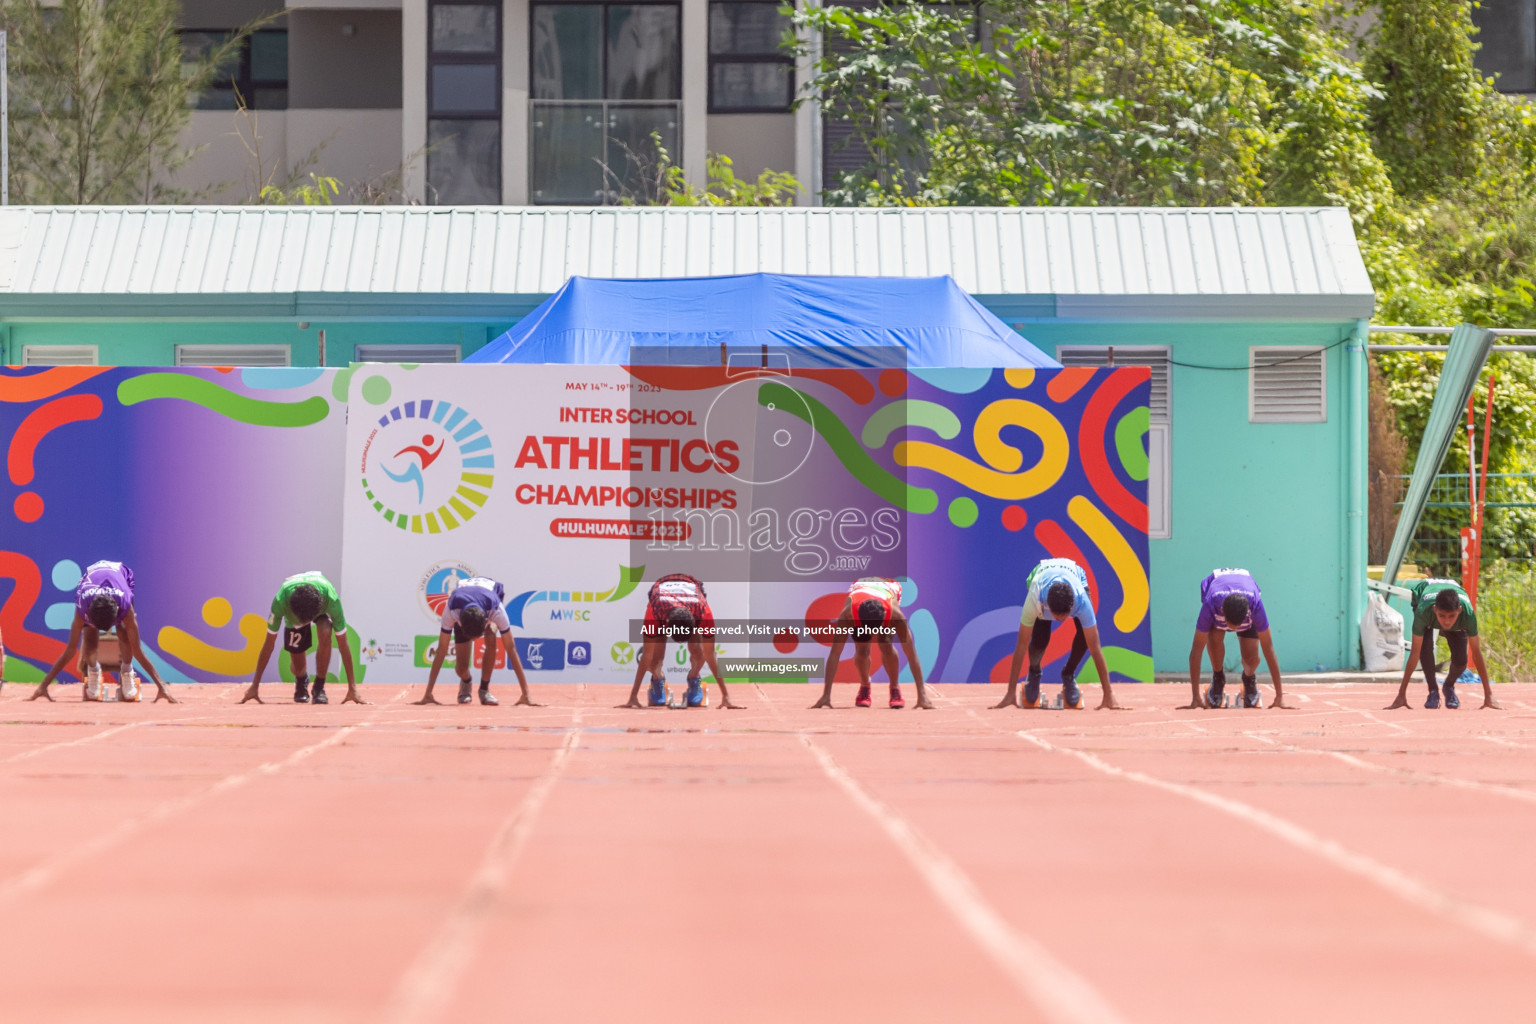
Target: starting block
[[97, 689], [679, 698]]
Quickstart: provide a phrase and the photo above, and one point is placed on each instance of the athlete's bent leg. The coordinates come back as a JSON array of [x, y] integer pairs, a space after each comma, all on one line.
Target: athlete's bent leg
[[1039, 639], [861, 662], [1427, 663], [1248, 653], [1216, 647], [1456, 640]]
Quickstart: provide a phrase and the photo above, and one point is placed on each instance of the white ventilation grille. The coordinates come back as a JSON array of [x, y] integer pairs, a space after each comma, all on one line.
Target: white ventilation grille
[[1155, 356], [231, 355], [406, 354], [1287, 385], [58, 355]]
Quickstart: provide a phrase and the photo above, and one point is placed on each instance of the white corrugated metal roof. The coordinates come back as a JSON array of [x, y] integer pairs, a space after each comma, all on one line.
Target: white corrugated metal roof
[[1250, 262]]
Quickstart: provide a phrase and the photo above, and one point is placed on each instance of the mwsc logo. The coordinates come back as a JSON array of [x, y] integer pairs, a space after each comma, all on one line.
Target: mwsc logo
[[427, 466]]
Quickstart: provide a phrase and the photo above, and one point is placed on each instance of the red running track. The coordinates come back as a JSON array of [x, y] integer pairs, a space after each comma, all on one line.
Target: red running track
[[215, 862]]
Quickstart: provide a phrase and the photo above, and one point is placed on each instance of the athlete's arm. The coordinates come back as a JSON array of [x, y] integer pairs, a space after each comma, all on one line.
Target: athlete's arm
[[515, 663], [1482, 673], [444, 638], [1096, 652], [69, 652], [130, 631], [1196, 656], [1015, 664], [1408, 667], [253, 692], [652, 649], [713, 662], [1267, 646], [840, 632], [904, 634], [346, 664]]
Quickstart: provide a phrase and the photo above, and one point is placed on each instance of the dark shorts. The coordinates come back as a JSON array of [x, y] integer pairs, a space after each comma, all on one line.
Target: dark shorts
[[1248, 634], [297, 641]]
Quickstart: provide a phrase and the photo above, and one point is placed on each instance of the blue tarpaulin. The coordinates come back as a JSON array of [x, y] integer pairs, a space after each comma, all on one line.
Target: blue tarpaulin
[[814, 321]]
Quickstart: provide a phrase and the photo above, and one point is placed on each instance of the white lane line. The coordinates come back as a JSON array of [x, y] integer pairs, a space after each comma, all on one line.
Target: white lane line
[[424, 991], [1490, 923], [77, 742], [1062, 995], [1372, 718], [1514, 792], [37, 877], [1501, 741]]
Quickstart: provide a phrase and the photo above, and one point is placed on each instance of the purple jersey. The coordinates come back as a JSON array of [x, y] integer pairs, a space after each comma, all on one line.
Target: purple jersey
[[1214, 590], [111, 578]]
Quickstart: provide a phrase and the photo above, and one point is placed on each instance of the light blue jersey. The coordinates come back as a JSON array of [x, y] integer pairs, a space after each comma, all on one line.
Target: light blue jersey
[[1039, 584]]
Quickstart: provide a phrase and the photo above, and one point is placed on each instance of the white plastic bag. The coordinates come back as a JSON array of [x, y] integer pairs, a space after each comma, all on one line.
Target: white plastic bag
[[1381, 635]]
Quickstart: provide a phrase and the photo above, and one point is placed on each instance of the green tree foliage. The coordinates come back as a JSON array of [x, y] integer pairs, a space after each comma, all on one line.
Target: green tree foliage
[[652, 179], [99, 96]]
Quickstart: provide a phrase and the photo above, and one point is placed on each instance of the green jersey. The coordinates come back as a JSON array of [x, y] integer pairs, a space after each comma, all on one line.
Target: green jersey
[[331, 606], [1424, 592]]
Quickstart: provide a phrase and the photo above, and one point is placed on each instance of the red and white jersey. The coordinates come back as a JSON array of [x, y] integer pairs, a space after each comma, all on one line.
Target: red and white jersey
[[679, 590], [875, 588]]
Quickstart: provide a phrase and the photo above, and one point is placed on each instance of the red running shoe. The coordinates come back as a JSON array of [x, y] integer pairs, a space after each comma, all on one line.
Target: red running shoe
[[897, 700], [863, 699]]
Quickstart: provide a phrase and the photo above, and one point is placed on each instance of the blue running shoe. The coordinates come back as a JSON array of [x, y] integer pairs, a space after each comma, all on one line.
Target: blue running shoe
[[1071, 696], [1433, 700], [1251, 698], [658, 694], [1032, 690], [695, 698], [1214, 694], [1451, 700]]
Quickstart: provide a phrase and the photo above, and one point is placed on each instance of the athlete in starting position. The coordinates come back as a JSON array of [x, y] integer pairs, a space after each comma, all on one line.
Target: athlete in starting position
[[677, 608], [1230, 603], [873, 612], [475, 609], [1057, 590], [1443, 604], [104, 599], [302, 604]]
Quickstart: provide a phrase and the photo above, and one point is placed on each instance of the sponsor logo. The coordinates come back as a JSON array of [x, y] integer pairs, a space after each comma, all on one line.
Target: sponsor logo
[[578, 652], [622, 653], [426, 650], [371, 651], [436, 583], [427, 466], [541, 654]]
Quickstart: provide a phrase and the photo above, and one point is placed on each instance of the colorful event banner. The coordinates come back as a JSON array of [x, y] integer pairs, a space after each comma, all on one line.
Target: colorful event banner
[[576, 486], [211, 485]]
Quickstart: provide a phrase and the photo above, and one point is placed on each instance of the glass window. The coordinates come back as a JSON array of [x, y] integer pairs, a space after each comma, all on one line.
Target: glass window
[[464, 89], [568, 51], [269, 57], [748, 29], [631, 150], [567, 156], [758, 85], [257, 72], [644, 56], [464, 162], [464, 28]]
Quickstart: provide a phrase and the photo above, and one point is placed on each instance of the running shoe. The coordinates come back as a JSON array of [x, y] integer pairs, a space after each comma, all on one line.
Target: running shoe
[[658, 694], [319, 696], [1451, 700], [301, 692], [1071, 696], [486, 696], [695, 695], [897, 700], [1433, 700], [1251, 698], [1032, 690], [863, 699], [1213, 695], [465, 691]]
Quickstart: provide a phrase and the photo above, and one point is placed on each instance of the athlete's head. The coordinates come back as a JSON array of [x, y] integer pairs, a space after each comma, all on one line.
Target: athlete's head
[[102, 611], [1234, 608], [305, 603], [679, 624], [1447, 608], [472, 622], [1059, 600], [871, 615]]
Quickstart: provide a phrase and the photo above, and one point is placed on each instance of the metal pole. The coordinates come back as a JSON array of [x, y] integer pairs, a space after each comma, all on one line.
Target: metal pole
[[5, 123], [1441, 348]]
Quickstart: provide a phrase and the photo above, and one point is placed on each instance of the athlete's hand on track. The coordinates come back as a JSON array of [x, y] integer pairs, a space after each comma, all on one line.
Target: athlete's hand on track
[[41, 691], [160, 692], [824, 702], [1401, 702], [253, 692], [1489, 702], [526, 700], [354, 698], [1110, 704], [1278, 703], [924, 703], [734, 707], [427, 699], [1006, 702], [633, 702], [1195, 704]]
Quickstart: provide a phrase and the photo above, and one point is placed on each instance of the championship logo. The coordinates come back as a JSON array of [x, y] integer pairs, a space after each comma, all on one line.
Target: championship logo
[[436, 583], [427, 466]]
